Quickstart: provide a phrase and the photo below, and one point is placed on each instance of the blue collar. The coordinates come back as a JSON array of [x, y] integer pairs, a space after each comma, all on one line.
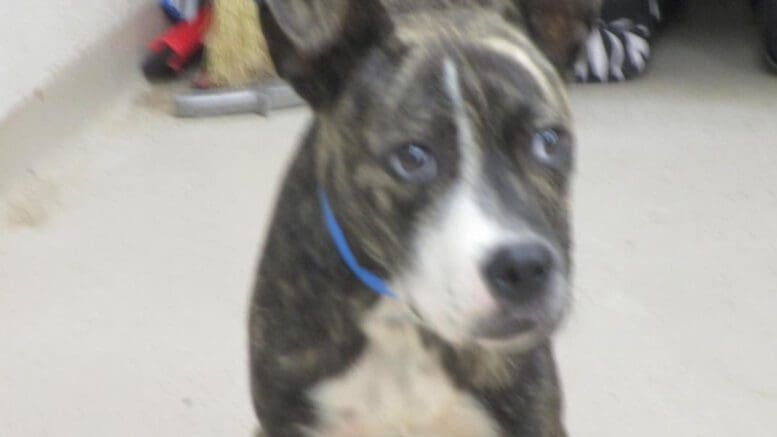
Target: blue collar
[[372, 281]]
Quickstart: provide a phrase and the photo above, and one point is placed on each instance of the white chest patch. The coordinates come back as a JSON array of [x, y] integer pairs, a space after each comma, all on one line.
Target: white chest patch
[[397, 388]]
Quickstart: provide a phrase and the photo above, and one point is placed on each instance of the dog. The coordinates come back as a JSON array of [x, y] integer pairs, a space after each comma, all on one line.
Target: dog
[[418, 260]]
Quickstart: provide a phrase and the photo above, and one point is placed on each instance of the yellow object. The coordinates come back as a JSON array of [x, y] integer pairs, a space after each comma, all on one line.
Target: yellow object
[[235, 49]]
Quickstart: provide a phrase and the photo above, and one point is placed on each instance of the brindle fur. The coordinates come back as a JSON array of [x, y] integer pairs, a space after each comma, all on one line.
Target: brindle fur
[[371, 86]]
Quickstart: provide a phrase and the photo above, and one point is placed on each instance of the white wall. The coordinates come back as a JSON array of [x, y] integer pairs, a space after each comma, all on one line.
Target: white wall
[[38, 38]]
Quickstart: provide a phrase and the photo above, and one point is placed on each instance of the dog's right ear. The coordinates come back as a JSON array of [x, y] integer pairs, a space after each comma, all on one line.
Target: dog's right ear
[[315, 44]]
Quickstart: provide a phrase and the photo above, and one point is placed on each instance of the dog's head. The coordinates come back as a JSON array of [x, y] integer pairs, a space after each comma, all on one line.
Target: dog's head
[[444, 143]]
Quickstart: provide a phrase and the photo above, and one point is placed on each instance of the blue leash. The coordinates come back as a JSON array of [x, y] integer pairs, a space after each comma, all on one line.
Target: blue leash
[[372, 281]]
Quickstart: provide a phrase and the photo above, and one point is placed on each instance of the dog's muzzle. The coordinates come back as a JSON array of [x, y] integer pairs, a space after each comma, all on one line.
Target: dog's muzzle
[[522, 279]]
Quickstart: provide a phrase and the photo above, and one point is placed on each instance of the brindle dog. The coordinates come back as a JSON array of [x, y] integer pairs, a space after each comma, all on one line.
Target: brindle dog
[[419, 257]]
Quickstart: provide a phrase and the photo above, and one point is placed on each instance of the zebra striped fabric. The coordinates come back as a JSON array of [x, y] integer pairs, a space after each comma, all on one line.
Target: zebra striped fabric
[[618, 49]]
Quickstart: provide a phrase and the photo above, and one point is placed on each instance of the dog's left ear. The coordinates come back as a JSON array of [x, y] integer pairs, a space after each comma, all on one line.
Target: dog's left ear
[[560, 27], [315, 44]]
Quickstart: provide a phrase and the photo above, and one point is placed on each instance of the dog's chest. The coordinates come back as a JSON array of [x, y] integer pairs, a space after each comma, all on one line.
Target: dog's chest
[[396, 388]]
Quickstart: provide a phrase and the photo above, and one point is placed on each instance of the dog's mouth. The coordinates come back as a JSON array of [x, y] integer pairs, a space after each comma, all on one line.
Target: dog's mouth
[[520, 327], [511, 333], [504, 327]]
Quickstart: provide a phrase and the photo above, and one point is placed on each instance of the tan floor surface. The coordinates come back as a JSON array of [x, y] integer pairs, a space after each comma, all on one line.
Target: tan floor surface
[[127, 254]]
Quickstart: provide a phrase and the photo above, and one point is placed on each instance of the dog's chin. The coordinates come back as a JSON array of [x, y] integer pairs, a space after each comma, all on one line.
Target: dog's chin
[[515, 342], [517, 331], [505, 334]]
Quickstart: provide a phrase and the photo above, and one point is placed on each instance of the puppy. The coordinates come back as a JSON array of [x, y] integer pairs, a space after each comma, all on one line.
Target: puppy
[[419, 257]]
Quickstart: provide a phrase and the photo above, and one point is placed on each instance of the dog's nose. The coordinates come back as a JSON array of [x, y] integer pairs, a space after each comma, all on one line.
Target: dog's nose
[[520, 273]]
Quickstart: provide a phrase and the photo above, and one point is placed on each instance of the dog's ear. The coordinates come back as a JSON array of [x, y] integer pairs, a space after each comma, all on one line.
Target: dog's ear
[[560, 27], [315, 44]]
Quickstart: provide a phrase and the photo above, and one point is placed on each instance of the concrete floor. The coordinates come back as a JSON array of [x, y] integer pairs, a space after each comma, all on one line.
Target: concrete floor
[[127, 254]]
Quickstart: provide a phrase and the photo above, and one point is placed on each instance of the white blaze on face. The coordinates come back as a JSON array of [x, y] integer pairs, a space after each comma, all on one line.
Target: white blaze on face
[[468, 147], [444, 281]]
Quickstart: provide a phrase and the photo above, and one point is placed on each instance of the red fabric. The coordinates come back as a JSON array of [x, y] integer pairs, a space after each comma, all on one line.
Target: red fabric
[[183, 39]]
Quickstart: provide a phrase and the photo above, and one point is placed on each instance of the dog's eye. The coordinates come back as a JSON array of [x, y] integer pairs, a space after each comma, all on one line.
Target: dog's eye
[[413, 163], [550, 148]]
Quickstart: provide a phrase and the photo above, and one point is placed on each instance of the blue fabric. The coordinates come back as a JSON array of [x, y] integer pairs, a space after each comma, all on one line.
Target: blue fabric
[[171, 10], [372, 281]]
